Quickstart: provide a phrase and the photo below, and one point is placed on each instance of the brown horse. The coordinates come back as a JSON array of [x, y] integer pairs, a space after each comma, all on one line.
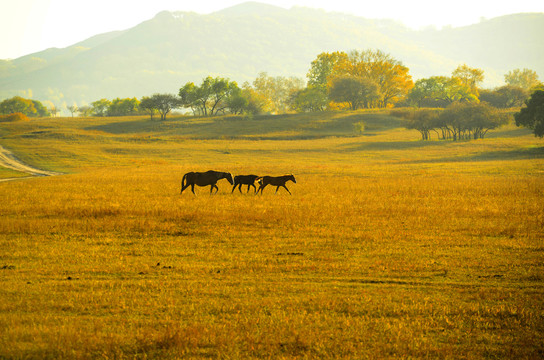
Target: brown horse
[[204, 179], [248, 180], [278, 181]]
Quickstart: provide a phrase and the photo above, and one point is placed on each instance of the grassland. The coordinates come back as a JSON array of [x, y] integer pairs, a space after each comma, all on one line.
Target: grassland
[[389, 247]]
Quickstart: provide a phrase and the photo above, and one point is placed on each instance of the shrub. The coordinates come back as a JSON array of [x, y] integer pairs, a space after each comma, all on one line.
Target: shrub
[[13, 117]]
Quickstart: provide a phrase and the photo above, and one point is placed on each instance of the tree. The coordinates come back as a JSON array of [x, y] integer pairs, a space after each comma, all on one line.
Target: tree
[[532, 115], [192, 97], [18, 104], [54, 110], [147, 104], [85, 110], [123, 107], [526, 79], [256, 102], [41, 110], [310, 99], [470, 77], [356, 91], [208, 98], [72, 109], [504, 97], [100, 107], [471, 120], [388, 74], [237, 102], [322, 68], [441, 91], [278, 90], [164, 103], [424, 121]]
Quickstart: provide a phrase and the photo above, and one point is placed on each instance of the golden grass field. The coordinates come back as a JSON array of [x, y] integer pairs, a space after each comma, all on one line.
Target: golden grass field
[[389, 247]]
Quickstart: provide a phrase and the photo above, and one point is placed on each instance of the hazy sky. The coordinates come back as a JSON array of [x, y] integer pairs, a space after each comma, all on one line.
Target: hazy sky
[[28, 26]]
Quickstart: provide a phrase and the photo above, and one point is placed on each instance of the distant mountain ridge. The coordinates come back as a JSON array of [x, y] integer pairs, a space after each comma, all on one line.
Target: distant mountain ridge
[[172, 48]]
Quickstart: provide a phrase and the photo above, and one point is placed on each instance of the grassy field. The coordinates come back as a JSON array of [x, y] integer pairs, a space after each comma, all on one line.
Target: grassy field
[[389, 247]]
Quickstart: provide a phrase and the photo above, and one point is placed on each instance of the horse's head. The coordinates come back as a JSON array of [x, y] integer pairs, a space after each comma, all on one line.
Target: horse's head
[[292, 177], [228, 176]]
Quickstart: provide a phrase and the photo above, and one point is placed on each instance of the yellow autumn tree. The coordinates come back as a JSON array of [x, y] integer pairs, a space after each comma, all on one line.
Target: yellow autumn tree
[[393, 79]]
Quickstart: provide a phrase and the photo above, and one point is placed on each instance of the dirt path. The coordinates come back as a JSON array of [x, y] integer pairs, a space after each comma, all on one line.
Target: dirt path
[[8, 160]]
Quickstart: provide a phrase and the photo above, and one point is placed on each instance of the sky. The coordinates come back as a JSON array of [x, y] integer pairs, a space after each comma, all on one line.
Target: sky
[[29, 26]]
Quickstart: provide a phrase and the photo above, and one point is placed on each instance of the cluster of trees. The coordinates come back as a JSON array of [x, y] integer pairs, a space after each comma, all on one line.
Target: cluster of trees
[[28, 107], [336, 80], [460, 120]]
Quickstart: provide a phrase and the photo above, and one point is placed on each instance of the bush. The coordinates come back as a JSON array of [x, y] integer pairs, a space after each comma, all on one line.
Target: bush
[[13, 117]]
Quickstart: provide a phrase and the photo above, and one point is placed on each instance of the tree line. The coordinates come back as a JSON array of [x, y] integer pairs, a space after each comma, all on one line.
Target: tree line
[[335, 81]]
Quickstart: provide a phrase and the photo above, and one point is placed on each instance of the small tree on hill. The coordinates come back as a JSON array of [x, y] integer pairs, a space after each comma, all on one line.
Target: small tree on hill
[[532, 116], [147, 104], [72, 109], [164, 103]]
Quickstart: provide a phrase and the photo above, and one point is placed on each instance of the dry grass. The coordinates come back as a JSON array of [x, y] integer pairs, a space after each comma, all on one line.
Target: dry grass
[[388, 248]]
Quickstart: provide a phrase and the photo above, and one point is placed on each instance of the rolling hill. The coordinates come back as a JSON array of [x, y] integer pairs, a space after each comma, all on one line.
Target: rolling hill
[[172, 48]]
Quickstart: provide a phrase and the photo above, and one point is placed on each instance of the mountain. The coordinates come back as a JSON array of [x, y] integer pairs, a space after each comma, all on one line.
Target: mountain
[[172, 48]]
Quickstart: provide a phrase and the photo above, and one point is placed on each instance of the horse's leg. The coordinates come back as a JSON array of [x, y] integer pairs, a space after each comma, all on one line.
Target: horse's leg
[[193, 188], [216, 189], [285, 187], [240, 188], [261, 187], [253, 187]]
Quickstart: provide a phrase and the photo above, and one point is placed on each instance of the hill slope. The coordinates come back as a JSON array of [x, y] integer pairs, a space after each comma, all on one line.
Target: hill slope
[[161, 54]]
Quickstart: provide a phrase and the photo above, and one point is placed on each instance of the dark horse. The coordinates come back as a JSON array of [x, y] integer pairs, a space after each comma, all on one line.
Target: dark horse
[[248, 180], [204, 179], [275, 181]]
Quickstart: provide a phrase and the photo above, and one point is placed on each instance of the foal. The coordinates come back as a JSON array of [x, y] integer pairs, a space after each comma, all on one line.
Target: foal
[[278, 181], [248, 180]]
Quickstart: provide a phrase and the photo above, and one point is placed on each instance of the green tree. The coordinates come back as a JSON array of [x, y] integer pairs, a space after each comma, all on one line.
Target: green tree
[[354, 90], [123, 107], [532, 115], [85, 110], [147, 104], [504, 97], [422, 120], [192, 97], [41, 110], [310, 99], [471, 120], [164, 103], [237, 102], [18, 104], [100, 107], [322, 68], [208, 98], [526, 79]]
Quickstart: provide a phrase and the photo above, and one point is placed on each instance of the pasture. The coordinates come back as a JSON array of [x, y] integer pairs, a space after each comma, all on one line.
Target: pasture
[[388, 247]]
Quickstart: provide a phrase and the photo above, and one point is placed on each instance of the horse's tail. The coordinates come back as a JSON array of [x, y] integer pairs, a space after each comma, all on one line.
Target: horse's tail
[[183, 182]]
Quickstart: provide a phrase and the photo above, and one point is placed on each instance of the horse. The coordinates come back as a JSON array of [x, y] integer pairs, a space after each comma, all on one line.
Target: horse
[[248, 180], [204, 179], [275, 181]]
